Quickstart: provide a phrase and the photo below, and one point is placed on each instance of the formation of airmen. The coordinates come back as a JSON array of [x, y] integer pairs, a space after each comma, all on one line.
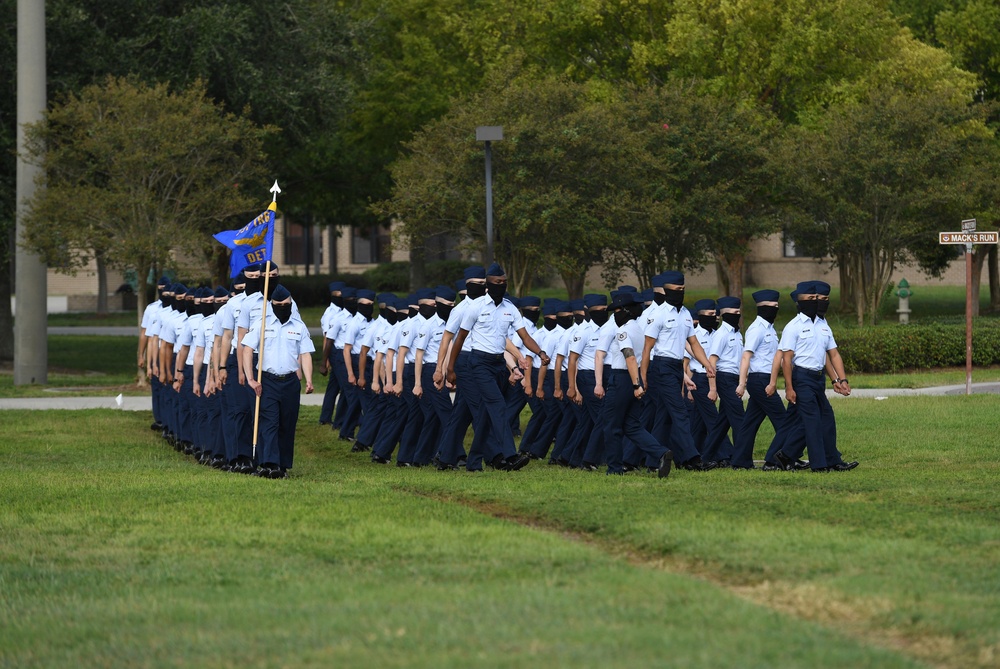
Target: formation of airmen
[[634, 382]]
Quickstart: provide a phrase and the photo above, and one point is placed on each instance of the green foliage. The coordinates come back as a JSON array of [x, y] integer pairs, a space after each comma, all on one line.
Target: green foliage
[[390, 276], [313, 291], [895, 348], [135, 174]]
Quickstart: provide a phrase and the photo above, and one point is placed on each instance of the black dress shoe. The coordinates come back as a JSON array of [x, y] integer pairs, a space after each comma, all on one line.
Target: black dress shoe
[[627, 468], [799, 465], [404, 464], [379, 460], [666, 462], [532, 455], [724, 463], [347, 439], [743, 467], [444, 466], [218, 462], [358, 447], [770, 467], [784, 461], [821, 470], [845, 466], [562, 462], [156, 427], [517, 462], [461, 462], [588, 467]]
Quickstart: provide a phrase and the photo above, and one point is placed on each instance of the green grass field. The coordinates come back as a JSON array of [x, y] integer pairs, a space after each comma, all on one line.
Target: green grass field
[[117, 551]]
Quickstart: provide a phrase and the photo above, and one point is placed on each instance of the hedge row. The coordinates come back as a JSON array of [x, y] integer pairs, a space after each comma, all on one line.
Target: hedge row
[[894, 348]]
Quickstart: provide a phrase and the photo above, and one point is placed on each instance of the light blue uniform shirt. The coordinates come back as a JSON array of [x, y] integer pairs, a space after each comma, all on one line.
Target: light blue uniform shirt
[[670, 328], [704, 337], [584, 344], [489, 324], [283, 344], [409, 337], [630, 336], [726, 343], [429, 339], [454, 323], [188, 333], [762, 341], [808, 340]]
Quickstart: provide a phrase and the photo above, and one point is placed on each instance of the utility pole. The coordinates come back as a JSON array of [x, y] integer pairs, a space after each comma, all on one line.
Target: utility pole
[[31, 354]]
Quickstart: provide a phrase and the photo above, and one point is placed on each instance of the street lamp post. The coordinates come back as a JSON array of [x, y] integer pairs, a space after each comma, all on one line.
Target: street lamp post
[[488, 134]]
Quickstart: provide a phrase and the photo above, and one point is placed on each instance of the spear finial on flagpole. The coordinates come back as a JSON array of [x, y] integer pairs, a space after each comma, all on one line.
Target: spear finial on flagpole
[[275, 189]]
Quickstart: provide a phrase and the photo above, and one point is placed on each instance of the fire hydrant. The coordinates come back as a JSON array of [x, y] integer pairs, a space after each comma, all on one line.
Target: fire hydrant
[[904, 293]]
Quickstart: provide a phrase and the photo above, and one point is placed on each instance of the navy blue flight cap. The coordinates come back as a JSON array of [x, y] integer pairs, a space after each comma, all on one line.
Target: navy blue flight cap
[[349, 293], [595, 300], [179, 289], [647, 295], [164, 281], [253, 267], [822, 287], [805, 288], [263, 266], [551, 307], [530, 301], [460, 286], [513, 300], [672, 276], [336, 285], [424, 294], [402, 304], [220, 291], [366, 294], [623, 299], [280, 294], [411, 300], [627, 289], [794, 295], [704, 305], [495, 270], [476, 272], [766, 296], [656, 281], [445, 293], [613, 293], [576, 305], [383, 298], [204, 292], [728, 302]]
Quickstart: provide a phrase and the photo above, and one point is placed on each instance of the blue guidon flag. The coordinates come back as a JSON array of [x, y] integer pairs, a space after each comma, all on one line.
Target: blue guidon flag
[[252, 243]]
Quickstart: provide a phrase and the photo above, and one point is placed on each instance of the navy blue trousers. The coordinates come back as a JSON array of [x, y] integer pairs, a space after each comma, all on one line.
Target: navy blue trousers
[[624, 418], [586, 416], [490, 378], [731, 415], [537, 415], [237, 423], [814, 415], [552, 410], [344, 388], [666, 379], [436, 406], [332, 390], [410, 435], [279, 412], [759, 406], [704, 414]]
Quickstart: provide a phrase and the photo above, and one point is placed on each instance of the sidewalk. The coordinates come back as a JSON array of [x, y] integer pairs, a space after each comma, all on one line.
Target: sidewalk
[[316, 399]]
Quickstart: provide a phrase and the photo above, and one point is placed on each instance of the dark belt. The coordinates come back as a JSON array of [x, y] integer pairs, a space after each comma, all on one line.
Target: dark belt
[[279, 377], [809, 372], [667, 360], [488, 356]]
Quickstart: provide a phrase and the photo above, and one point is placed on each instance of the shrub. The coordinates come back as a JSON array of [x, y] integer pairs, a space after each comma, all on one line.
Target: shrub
[[311, 291], [897, 347], [395, 276]]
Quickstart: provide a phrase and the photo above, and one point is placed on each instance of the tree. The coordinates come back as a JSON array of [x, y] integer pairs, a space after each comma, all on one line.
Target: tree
[[137, 174], [554, 172], [876, 177]]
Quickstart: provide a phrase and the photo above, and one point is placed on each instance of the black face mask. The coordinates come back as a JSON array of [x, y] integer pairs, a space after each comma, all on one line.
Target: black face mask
[[622, 317], [768, 313], [708, 322], [530, 314], [444, 310], [351, 305], [337, 301], [166, 300], [254, 285], [550, 324], [282, 311], [190, 308], [732, 320], [389, 316], [366, 310], [564, 321], [659, 298], [219, 305], [496, 291], [578, 318], [177, 304], [271, 285], [427, 310], [474, 290], [821, 307], [808, 307], [599, 317], [673, 297], [413, 312], [634, 310], [208, 308]]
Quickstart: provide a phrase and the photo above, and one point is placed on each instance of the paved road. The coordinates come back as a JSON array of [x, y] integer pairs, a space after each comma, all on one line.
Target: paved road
[[143, 403]]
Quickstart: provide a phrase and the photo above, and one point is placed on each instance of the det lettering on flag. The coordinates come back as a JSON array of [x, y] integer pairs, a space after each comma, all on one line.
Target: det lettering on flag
[[252, 243]]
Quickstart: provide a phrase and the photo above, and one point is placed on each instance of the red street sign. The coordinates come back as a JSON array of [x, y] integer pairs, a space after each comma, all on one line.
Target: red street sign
[[969, 237]]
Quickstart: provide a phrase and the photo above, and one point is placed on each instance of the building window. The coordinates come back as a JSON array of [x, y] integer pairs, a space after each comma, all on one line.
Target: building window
[[789, 249], [296, 244], [370, 245]]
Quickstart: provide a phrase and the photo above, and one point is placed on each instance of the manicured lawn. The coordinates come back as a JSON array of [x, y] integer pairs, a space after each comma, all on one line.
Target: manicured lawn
[[117, 551]]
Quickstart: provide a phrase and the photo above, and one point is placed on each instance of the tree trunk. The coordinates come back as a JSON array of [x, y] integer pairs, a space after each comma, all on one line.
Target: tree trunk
[[994, 279], [857, 287], [6, 317], [732, 269], [846, 287], [574, 284], [418, 267], [721, 278], [102, 284], [140, 302], [978, 260]]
